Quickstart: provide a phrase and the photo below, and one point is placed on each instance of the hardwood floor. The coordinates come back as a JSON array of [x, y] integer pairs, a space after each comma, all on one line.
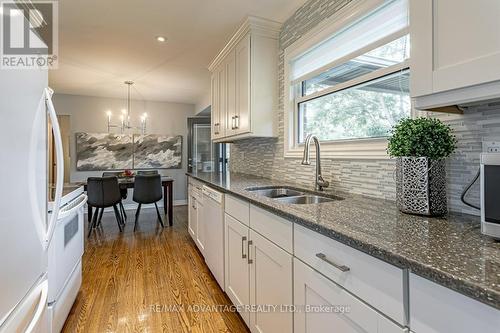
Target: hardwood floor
[[133, 281]]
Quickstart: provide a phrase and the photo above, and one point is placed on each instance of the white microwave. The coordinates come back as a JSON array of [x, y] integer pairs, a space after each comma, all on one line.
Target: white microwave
[[490, 194]]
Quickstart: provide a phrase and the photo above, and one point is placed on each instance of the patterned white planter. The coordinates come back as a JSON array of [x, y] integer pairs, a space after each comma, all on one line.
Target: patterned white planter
[[421, 186]]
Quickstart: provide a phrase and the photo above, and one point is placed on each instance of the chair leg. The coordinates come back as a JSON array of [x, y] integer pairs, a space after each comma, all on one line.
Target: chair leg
[[91, 217], [123, 211], [118, 218], [93, 222], [137, 216], [121, 215], [159, 216], [100, 216]]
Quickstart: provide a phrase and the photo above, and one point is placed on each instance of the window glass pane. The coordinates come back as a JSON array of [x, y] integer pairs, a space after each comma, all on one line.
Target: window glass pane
[[364, 111], [384, 56]]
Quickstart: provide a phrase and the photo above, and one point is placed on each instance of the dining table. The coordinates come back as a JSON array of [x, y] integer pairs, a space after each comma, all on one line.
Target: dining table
[[168, 188]]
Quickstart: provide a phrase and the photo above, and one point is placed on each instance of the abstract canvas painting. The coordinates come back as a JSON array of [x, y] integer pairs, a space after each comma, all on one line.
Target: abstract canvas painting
[[157, 151], [98, 151]]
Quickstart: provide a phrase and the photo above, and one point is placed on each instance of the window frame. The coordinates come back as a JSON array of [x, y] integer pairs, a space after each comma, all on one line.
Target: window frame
[[362, 148]]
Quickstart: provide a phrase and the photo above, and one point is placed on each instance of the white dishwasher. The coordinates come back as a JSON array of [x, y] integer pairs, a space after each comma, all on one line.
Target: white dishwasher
[[213, 215]]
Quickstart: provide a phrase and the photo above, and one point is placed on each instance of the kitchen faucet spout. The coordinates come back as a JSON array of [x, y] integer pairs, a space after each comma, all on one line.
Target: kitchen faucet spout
[[320, 183]]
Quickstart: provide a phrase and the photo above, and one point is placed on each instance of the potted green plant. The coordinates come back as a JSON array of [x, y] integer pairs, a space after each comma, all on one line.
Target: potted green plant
[[421, 146]]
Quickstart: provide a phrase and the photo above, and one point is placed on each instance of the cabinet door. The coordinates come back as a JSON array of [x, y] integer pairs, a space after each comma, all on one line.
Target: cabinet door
[[192, 216], [454, 46], [230, 65], [215, 105], [219, 102], [270, 285], [457, 313], [236, 264], [222, 121], [324, 307], [200, 230], [242, 121]]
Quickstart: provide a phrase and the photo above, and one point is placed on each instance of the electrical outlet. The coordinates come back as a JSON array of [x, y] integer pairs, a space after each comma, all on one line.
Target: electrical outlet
[[491, 146]]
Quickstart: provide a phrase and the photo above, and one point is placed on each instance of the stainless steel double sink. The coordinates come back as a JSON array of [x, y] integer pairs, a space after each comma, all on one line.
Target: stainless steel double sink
[[291, 196]]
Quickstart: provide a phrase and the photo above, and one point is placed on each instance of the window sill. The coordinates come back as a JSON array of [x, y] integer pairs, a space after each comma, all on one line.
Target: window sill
[[369, 149]]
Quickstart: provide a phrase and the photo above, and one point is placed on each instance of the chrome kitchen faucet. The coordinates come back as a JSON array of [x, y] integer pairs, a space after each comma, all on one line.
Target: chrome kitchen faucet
[[320, 183]]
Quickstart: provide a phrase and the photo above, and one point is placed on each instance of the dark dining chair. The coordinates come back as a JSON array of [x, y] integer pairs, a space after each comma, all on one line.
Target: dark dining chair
[[102, 193], [147, 190], [147, 172], [123, 192]]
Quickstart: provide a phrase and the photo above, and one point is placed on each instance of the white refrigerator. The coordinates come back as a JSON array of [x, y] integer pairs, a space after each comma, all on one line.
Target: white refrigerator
[[25, 227]]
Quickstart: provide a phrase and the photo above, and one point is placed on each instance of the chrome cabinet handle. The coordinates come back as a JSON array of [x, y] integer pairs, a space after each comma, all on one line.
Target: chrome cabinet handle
[[337, 266], [236, 122], [243, 240], [250, 261]]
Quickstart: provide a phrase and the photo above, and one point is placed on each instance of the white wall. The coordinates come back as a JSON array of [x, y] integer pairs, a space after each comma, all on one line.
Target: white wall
[[88, 114], [204, 102]]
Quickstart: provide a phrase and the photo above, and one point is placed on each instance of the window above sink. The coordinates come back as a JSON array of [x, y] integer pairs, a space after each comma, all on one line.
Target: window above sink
[[347, 81]]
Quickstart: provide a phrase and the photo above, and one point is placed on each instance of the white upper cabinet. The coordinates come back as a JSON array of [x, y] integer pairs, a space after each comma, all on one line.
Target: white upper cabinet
[[245, 83], [240, 117], [455, 52], [216, 125]]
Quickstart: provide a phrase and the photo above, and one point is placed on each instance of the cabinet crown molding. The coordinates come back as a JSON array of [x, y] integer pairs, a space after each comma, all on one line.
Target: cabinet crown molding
[[253, 24]]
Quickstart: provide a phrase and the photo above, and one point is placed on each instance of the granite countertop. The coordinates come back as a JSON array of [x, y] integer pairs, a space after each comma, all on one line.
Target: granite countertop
[[449, 251]]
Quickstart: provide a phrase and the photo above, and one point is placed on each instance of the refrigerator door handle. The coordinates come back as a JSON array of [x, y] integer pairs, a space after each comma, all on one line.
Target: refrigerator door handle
[[44, 289], [16, 320], [60, 166]]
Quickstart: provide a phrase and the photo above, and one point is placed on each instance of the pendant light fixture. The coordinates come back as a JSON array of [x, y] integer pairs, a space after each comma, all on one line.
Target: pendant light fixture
[[125, 123]]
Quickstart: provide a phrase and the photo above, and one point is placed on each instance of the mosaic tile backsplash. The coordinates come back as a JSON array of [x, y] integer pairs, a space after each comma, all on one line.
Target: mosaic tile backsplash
[[264, 156]]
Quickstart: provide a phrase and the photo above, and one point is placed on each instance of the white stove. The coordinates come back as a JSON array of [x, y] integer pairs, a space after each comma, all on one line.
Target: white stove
[[65, 256]]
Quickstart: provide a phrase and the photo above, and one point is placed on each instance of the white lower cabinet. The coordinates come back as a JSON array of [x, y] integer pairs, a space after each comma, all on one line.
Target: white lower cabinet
[[436, 309], [323, 306], [237, 269], [258, 277], [325, 286], [200, 223], [375, 282], [192, 223], [196, 224], [270, 286]]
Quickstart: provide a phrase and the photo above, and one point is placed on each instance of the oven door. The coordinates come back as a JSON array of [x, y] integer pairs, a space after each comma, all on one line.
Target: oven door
[[66, 248]]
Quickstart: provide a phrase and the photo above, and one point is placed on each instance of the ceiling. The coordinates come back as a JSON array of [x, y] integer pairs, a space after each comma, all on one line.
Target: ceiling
[[102, 43]]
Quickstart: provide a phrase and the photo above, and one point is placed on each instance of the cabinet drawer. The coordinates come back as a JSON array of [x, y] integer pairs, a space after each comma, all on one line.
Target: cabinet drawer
[[197, 193], [329, 308], [237, 208], [195, 184], [374, 281], [274, 228], [457, 313]]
